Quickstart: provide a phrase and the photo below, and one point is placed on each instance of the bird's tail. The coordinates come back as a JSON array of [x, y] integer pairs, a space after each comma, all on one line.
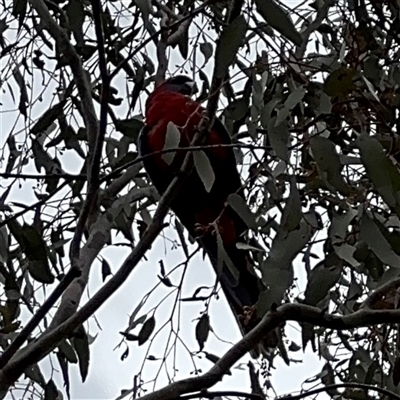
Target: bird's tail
[[239, 283]]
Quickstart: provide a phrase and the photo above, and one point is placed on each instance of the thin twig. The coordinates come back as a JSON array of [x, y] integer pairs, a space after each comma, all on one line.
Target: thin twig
[[95, 146]]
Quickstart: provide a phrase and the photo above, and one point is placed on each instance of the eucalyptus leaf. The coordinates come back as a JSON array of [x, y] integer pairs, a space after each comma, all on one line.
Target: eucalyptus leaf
[[279, 20], [228, 45], [328, 163], [279, 138], [386, 177], [242, 209], [371, 234], [147, 330], [202, 330], [81, 346], [204, 169], [172, 140]]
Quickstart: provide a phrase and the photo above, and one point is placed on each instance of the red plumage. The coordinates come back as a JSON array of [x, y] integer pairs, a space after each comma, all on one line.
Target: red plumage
[[193, 205]]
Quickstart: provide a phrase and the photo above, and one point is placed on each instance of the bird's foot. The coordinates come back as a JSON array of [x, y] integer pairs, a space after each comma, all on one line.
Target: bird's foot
[[201, 230], [249, 314]]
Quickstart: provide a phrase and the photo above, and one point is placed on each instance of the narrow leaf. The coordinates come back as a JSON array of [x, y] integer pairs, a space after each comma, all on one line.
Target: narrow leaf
[[386, 177], [228, 45], [242, 209], [105, 269], [202, 330], [371, 234], [329, 165], [204, 169], [292, 213], [47, 118], [206, 49], [279, 138], [147, 330], [279, 20], [81, 346], [172, 139]]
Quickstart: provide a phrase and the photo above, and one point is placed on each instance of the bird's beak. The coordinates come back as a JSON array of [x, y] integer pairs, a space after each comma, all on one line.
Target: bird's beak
[[193, 87]]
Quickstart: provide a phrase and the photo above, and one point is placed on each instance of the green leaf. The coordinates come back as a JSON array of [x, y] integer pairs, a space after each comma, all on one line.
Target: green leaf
[[127, 159], [202, 330], [204, 169], [242, 209], [76, 18], [293, 99], [147, 330], [371, 234], [228, 45], [386, 177], [105, 269], [64, 370], [68, 352], [23, 101], [279, 20], [237, 109], [50, 391], [291, 216], [183, 44], [81, 346], [33, 372], [3, 244], [145, 9], [279, 138], [277, 270], [136, 322], [19, 10], [179, 229], [34, 247], [328, 163], [130, 128], [324, 105], [321, 279], [172, 140], [340, 83], [47, 118], [338, 234], [206, 49]]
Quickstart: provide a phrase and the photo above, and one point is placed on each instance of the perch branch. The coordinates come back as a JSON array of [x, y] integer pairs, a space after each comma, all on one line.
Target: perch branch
[[284, 313]]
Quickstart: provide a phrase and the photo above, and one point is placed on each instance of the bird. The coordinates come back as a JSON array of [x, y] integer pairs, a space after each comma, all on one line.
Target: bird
[[202, 211]]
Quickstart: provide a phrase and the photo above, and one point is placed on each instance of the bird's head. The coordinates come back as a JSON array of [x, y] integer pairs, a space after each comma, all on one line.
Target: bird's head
[[179, 84]]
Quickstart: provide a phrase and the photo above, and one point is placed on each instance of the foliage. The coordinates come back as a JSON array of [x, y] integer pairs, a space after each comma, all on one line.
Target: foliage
[[310, 96]]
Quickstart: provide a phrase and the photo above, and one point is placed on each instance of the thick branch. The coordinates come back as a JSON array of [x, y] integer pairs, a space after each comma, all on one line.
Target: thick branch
[[284, 313], [349, 385]]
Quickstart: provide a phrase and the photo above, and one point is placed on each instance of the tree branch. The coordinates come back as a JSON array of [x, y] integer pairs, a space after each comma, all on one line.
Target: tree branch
[[273, 319], [212, 395], [95, 148], [326, 388]]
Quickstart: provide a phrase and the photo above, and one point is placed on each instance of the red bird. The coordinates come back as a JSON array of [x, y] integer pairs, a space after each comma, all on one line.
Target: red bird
[[194, 205]]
